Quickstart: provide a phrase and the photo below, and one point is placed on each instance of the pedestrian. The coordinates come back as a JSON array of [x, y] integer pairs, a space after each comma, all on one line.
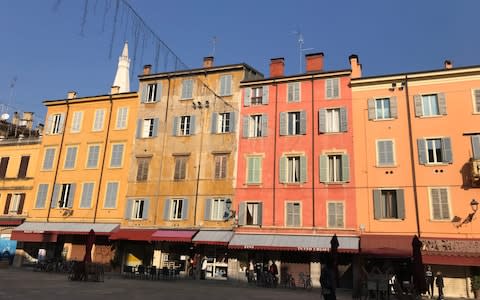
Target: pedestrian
[[203, 275], [327, 280], [273, 270], [429, 280], [439, 283]]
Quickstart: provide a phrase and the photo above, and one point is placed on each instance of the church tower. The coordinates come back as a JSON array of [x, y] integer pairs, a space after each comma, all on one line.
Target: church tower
[[122, 78]]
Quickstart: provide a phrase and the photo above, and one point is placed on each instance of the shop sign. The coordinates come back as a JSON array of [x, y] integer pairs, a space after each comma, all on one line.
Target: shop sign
[[452, 246]]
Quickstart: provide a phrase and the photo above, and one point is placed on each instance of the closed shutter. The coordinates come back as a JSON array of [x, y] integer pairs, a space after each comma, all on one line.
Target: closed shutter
[[377, 204], [242, 207], [343, 120], [265, 94], [185, 209], [303, 169], [477, 101], [322, 124], [476, 146], [417, 99], [3, 166], [283, 169], [283, 123], [245, 126], [447, 150], [303, 122], [264, 125], [175, 126], [323, 168], [290, 214], [214, 122], [155, 127], [21, 203], [22, 172], [422, 151], [259, 214], [7, 204], [158, 94], [56, 190], [345, 168], [208, 208], [393, 108], [371, 109], [193, 125], [146, 205], [400, 204], [436, 210], [139, 128], [246, 96], [232, 122], [144, 93], [166, 209], [128, 209], [71, 195], [41, 195], [442, 104]]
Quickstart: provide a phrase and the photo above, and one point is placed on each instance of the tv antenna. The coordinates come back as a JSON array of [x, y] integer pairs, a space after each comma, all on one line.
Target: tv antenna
[[300, 42]]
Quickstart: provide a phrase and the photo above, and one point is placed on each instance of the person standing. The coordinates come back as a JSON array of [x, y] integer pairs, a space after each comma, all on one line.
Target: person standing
[[327, 280], [440, 285], [429, 280]]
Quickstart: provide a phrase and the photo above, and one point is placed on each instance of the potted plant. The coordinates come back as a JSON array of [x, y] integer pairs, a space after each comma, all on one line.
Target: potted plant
[[476, 285]]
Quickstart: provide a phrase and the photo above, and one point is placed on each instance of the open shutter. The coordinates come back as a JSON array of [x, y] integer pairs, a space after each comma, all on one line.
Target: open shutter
[[322, 125], [283, 123], [377, 204], [264, 125], [48, 128], [146, 204], [303, 122], [139, 128], [128, 209], [371, 109], [56, 190], [259, 214], [246, 96], [242, 207], [303, 169], [343, 120], [323, 168], [422, 151], [21, 204], [265, 94], [393, 107], [71, 195], [208, 208], [245, 126], [400, 204], [22, 171], [476, 146], [175, 126], [144, 93], [214, 122], [155, 127], [185, 209], [7, 204], [233, 122], [345, 168], [447, 150], [62, 123], [158, 94], [417, 99], [192, 125], [283, 169], [226, 213], [442, 104], [166, 209]]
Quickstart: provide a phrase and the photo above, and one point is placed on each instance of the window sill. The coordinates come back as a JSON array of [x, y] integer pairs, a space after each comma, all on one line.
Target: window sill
[[334, 182], [186, 99], [441, 164], [390, 220], [384, 119], [333, 132], [433, 116], [253, 184], [386, 166], [149, 102]]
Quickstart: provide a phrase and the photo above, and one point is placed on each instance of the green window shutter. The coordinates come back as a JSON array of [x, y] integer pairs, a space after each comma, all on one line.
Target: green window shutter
[[283, 123], [447, 150], [322, 123], [476, 145], [246, 96], [143, 99], [323, 168], [442, 103], [139, 128], [393, 107], [192, 125], [343, 120], [417, 99], [371, 109], [208, 208], [245, 126], [283, 169], [345, 168], [155, 127], [377, 204], [214, 122], [185, 209], [303, 122], [289, 214], [71, 195], [264, 125], [401, 204], [175, 126], [242, 208], [422, 151], [259, 214], [265, 94], [444, 204], [146, 204], [166, 209], [56, 190], [250, 169], [303, 169], [158, 94], [128, 209]]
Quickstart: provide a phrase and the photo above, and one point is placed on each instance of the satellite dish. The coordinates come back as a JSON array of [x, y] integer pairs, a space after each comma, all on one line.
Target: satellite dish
[[5, 116]]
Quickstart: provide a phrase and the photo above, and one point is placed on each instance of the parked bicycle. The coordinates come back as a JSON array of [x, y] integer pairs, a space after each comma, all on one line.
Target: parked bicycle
[[306, 281], [289, 281]]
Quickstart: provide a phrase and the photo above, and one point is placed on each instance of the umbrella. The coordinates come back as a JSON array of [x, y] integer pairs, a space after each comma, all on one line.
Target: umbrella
[[418, 269], [89, 246], [334, 256]]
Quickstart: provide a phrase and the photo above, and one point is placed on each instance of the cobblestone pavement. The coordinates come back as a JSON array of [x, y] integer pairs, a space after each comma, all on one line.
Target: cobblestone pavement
[[29, 285]]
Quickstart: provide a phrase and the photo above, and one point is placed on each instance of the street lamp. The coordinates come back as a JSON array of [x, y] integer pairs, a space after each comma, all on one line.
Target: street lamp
[[474, 205]]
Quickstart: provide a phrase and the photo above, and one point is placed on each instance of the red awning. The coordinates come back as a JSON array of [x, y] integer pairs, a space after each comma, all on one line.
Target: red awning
[[451, 260], [451, 251], [174, 235], [47, 237], [133, 234], [386, 245], [11, 221]]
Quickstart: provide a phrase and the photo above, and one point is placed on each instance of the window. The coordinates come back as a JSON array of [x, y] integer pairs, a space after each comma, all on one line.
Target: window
[[48, 158], [335, 215], [137, 209], [385, 156], [93, 152], [220, 166], [254, 170], [180, 167], [147, 128], [22, 171], [55, 123], [176, 209], [332, 120], [3, 166], [440, 204], [256, 95], [98, 121], [388, 204], [293, 92], [151, 93], [63, 195], [216, 210], [293, 214], [476, 146], [41, 195], [117, 156], [250, 213], [184, 125], [293, 169], [334, 168], [255, 125], [142, 171], [70, 158], [293, 123], [76, 122], [187, 89], [225, 85], [434, 151], [382, 108], [122, 115], [476, 101], [332, 88], [430, 105], [14, 204], [223, 122], [111, 195], [87, 193]]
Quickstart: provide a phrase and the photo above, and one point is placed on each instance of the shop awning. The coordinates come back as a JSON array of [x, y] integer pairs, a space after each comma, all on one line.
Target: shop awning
[[292, 242], [8, 221], [133, 234], [213, 237], [454, 252], [386, 245], [174, 235], [48, 232]]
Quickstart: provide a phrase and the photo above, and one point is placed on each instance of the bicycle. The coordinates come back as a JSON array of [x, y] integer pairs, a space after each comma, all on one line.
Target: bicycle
[[289, 281], [306, 281]]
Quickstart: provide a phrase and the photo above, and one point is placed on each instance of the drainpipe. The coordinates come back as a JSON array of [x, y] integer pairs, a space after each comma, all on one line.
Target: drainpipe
[[274, 190], [313, 156]]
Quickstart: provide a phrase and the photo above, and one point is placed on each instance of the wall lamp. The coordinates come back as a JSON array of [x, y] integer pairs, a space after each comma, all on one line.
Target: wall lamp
[[199, 104], [229, 213], [474, 206]]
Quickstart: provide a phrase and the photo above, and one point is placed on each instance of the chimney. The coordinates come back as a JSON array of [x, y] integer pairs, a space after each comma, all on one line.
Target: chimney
[[448, 64], [147, 69], [208, 62], [15, 118], [115, 90], [71, 95], [277, 67], [314, 62], [28, 119], [355, 66]]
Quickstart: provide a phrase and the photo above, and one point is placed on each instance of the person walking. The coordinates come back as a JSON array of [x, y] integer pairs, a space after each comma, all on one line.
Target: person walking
[[429, 280], [327, 280], [440, 285]]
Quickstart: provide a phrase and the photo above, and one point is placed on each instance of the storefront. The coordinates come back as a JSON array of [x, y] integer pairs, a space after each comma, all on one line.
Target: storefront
[[213, 246]]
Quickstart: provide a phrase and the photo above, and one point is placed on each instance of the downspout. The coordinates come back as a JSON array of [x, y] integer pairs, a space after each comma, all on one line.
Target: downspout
[[103, 159], [313, 157], [59, 155], [274, 190], [412, 153]]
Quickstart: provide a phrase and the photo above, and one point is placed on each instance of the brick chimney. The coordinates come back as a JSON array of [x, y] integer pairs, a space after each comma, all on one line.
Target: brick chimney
[[448, 64], [314, 62], [15, 119], [147, 69], [355, 66], [208, 62], [71, 95], [277, 67]]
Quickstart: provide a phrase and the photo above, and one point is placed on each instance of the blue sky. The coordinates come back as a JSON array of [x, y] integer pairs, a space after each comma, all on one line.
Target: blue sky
[[51, 46]]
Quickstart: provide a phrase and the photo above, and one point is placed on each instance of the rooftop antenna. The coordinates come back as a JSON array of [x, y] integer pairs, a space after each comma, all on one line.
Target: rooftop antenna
[[214, 44], [300, 42]]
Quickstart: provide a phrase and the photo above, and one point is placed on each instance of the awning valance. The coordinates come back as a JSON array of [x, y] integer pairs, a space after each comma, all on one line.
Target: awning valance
[[213, 237], [133, 234], [386, 245], [174, 235]]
